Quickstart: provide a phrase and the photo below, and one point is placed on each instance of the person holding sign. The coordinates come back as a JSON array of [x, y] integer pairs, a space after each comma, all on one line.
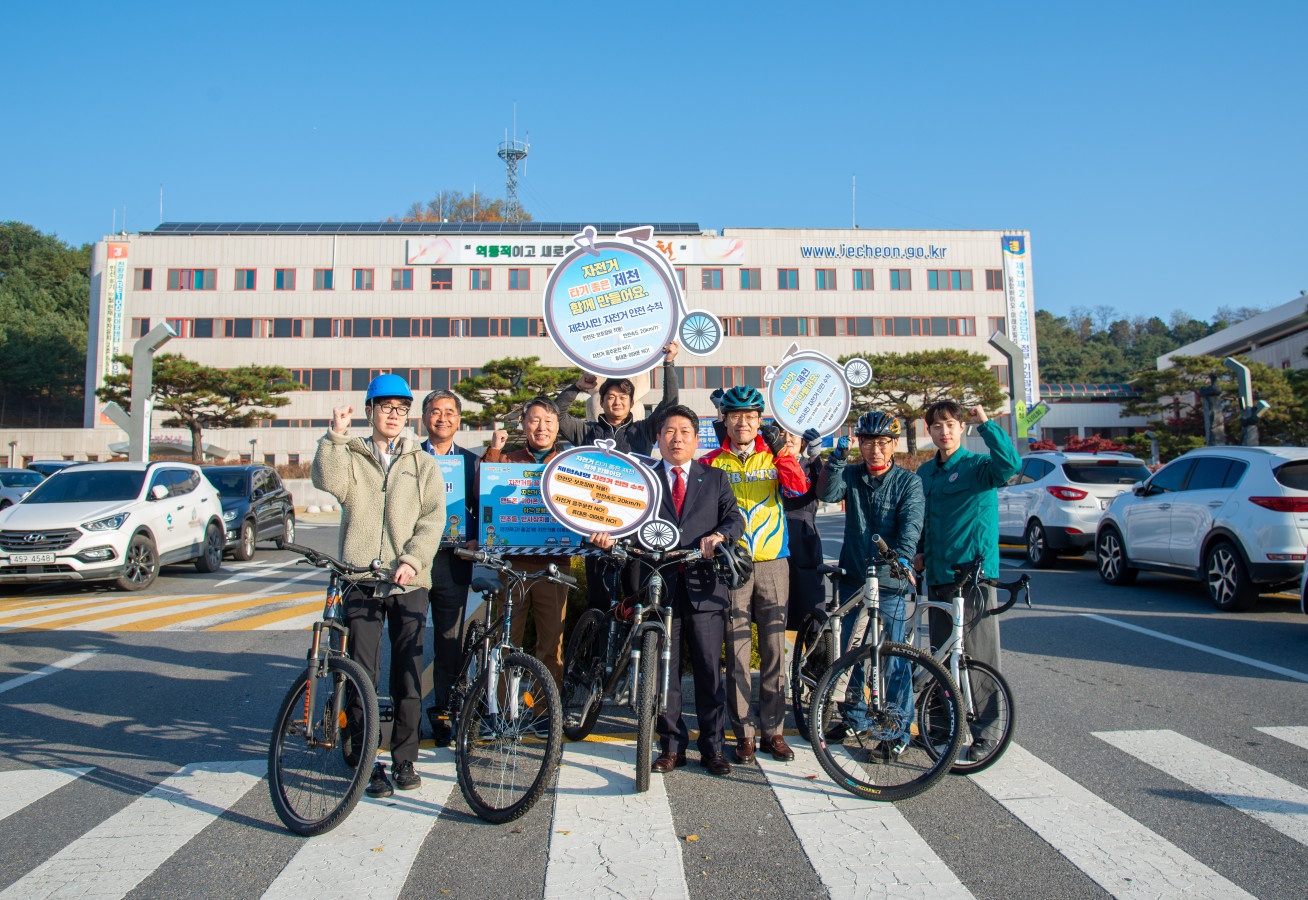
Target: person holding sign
[[803, 539], [700, 501], [548, 601], [392, 500], [762, 472], [880, 498], [629, 435], [442, 414]]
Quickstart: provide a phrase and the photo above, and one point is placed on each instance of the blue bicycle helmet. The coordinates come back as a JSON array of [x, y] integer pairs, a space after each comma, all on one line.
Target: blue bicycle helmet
[[388, 386], [741, 397], [877, 424]]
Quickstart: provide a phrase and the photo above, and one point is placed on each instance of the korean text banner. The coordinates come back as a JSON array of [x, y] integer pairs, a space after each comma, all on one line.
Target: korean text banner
[[513, 515], [1017, 292], [598, 489], [456, 510]]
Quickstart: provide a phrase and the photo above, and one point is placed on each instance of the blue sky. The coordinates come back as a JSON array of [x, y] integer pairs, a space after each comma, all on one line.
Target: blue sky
[[1156, 151]]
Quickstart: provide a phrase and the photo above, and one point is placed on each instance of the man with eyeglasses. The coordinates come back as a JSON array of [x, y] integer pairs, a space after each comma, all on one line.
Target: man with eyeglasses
[[880, 498], [392, 500], [442, 414]]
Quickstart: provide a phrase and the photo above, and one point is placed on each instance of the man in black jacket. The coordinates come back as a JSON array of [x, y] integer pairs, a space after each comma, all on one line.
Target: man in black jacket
[[442, 414]]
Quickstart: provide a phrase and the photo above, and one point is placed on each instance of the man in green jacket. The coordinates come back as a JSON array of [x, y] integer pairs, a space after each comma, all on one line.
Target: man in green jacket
[[962, 524], [392, 499]]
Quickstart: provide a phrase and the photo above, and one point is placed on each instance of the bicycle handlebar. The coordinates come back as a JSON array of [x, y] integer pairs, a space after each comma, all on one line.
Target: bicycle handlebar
[[899, 568], [500, 564], [1021, 586], [321, 560]]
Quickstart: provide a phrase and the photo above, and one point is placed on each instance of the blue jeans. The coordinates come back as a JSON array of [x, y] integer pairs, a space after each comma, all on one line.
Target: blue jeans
[[898, 689]]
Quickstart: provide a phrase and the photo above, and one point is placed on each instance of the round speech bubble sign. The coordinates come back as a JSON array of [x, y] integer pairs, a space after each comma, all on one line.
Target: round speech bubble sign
[[598, 489], [808, 390]]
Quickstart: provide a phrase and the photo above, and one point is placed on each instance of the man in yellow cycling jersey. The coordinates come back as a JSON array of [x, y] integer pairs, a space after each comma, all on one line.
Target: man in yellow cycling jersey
[[761, 471]]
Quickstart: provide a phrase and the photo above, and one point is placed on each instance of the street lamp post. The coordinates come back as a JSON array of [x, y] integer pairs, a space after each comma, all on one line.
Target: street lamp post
[[13, 454], [253, 443]]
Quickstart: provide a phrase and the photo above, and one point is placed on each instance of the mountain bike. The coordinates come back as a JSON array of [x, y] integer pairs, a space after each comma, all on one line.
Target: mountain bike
[[508, 734], [322, 751], [817, 644], [987, 699], [873, 754]]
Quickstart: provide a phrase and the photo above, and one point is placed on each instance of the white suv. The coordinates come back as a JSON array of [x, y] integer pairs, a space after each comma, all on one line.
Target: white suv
[[1054, 502], [1234, 517], [119, 521]]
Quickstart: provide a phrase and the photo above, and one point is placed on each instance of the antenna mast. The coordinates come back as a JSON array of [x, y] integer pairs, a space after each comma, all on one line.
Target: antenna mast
[[512, 152]]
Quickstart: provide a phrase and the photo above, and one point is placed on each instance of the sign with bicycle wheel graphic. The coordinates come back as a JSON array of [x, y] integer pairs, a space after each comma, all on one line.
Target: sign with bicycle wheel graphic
[[613, 304], [599, 489], [811, 390]]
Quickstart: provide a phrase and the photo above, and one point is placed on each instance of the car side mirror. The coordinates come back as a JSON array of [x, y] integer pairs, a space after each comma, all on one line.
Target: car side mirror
[[158, 492], [1140, 490]]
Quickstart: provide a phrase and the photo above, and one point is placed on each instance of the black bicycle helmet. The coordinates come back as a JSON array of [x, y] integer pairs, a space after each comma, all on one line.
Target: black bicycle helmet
[[735, 567], [877, 424], [741, 397]]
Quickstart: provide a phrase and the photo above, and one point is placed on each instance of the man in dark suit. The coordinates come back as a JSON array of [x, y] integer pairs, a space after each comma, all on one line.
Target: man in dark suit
[[698, 499], [442, 414]]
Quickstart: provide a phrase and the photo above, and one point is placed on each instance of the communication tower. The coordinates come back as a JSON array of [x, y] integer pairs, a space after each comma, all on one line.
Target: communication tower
[[511, 152]]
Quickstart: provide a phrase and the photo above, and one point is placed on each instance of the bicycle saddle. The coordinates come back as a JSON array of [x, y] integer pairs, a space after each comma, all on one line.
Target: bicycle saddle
[[488, 586]]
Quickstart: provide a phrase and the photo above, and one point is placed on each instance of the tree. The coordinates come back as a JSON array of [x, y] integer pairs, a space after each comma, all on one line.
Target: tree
[[199, 397], [504, 385], [906, 384], [453, 206]]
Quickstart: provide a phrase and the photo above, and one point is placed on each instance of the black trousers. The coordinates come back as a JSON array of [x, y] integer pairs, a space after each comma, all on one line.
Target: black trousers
[[449, 602], [601, 578], [703, 631], [405, 616]]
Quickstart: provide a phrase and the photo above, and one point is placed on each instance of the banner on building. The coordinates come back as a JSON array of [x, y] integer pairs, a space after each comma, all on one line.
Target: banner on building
[[116, 275], [1017, 293]]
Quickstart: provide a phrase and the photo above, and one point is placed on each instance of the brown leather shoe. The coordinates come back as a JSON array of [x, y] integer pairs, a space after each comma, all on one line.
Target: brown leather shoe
[[667, 762], [777, 746], [745, 751], [716, 764]]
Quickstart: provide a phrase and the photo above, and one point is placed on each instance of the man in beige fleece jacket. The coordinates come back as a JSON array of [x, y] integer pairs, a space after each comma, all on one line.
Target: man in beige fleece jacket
[[393, 509]]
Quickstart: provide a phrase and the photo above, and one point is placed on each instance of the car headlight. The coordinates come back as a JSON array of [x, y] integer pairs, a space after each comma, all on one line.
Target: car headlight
[[109, 523], [229, 515]]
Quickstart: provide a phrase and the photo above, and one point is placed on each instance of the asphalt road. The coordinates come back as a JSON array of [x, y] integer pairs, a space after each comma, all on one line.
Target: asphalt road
[[1140, 767]]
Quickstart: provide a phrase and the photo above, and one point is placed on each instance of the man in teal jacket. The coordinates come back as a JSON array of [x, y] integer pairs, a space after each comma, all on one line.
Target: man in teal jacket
[[962, 524]]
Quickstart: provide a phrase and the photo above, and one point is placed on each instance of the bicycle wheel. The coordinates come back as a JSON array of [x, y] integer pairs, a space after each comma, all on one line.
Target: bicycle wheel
[[314, 780], [881, 761], [647, 692], [815, 650], [582, 685], [990, 718], [509, 738]]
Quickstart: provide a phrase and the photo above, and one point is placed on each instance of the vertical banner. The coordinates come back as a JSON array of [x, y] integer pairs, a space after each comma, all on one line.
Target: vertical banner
[[456, 504], [116, 281], [1017, 292]]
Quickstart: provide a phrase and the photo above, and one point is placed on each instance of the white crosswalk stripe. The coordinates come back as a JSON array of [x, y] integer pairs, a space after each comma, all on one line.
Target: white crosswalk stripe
[[19, 788], [1291, 734]]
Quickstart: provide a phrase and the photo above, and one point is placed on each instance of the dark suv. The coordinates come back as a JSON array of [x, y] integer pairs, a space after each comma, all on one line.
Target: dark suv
[[256, 507]]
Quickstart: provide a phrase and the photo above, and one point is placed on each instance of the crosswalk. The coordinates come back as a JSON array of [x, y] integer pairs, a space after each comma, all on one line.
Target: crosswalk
[[267, 609], [603, 839]]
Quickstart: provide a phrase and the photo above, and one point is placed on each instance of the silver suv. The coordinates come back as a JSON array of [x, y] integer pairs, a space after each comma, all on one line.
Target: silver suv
[[1054, 502], [1234, 517]]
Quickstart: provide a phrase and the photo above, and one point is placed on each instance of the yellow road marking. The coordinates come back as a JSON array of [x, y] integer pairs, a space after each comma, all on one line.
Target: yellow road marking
[[269, 618], [164, 621], [108, 613], [52, 604]]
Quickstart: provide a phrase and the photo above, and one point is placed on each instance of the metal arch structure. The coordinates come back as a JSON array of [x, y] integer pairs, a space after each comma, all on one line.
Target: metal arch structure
[[512, 152]]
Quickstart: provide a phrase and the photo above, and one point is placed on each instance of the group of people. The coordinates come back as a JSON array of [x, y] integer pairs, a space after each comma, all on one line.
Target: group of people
[[758, 490]]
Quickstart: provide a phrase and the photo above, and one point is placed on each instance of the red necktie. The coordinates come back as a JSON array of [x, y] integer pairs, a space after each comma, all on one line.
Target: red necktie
[[678, 488]]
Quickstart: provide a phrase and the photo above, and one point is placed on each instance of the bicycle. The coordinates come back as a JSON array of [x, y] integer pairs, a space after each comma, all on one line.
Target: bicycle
[[991, 718], [880, 760], [817, 644], [508, 734], [319, 758], [629, 642]]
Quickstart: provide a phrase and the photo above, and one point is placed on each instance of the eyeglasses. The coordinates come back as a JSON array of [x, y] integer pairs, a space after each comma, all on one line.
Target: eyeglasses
[[392, 409], [878, 443], [442, 414]]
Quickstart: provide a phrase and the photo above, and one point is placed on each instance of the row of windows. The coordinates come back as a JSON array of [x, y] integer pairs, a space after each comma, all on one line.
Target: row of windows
[[442, 279], [441, 379], [848, 326]]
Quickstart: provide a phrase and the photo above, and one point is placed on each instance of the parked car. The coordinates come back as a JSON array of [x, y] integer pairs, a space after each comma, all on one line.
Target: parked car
[[1054, 502], [112, 521], [256, 507], [15, 484], [48, 467], [1234, 517]]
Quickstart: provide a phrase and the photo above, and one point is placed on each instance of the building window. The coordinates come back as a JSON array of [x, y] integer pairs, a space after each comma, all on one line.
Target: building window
[[288, 328], [140, 327], [363, 279], [192, 279], [460, 328], [1001, 375], [825, 280], [381, 327], [901, 280], [201, 328], [787, 279], [949, 279], [143, 279], [862, 279], [710, 279], [322, 280], [292, 459], [238, 328], [283, 279], [245, 280], [963, 326], [302, 376], [401, 279], [263, 328], [479, 279], [994, 279], [184, 327], [998, 323], [325, 379], [681, 277], [442, 279], [751, 279], [519, 279]]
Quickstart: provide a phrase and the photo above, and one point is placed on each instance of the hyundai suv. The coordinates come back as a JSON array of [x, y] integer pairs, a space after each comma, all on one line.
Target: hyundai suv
[[1054, 502], [1234, 517], [112, 521]]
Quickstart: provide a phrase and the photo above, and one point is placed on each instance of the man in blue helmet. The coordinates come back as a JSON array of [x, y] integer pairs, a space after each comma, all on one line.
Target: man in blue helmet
[[392, 500], [884, 499]]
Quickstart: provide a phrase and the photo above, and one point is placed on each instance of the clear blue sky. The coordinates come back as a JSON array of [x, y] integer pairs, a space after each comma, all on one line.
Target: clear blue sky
[[1156, 151]]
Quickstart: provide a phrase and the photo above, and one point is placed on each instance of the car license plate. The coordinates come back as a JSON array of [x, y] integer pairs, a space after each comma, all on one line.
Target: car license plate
[[21, 558]]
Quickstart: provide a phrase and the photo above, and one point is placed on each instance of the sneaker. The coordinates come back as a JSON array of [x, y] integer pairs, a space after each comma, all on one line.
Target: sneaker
[[836, 733], [379, 785], [979, 750], [887, 752], [405, 778]]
